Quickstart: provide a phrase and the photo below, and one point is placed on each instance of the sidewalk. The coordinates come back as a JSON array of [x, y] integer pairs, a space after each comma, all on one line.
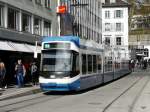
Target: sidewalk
[[13, 92]]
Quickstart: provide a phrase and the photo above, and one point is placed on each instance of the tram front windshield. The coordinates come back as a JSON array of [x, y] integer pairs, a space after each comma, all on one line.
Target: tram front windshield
[[57, 61]]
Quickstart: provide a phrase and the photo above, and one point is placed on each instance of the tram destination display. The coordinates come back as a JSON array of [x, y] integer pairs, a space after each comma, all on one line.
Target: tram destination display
[[56, 45]]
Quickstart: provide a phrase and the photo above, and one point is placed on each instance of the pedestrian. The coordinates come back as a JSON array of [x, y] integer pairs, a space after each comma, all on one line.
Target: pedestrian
[[2, 73], [145, 64], [149, 62], [20, 73], [132, 65], [34, 73], [27, 66]]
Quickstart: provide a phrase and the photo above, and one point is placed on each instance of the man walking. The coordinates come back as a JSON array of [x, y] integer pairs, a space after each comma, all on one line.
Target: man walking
[[20, 73], [34, 73]]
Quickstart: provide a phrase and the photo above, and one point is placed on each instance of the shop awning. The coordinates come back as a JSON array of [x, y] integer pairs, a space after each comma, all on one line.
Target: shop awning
[[20, 47], [34, 48], [5, 46]]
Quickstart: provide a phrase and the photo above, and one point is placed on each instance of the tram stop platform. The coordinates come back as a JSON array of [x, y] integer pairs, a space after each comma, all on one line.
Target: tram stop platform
[[14, 92]]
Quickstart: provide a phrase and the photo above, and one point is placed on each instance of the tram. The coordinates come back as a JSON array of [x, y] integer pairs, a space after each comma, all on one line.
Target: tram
[[69, 63]]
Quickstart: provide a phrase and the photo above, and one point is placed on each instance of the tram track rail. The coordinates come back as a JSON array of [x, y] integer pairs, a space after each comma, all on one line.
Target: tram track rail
[[28, 102], [108, 106]]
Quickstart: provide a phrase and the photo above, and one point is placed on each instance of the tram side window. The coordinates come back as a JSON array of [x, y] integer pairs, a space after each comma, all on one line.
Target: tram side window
[[84, 60], [76, 63], [99, 63], [94, 64], [90, 64], [117, 65], [108, 64]]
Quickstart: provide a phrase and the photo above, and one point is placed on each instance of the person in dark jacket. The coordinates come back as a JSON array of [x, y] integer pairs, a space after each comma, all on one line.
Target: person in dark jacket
[[20, 73], [2, 73], [34, 73], [145, 64]]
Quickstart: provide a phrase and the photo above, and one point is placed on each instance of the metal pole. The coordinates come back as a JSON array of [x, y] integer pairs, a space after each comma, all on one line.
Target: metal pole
[[59, 29], [35, 51]]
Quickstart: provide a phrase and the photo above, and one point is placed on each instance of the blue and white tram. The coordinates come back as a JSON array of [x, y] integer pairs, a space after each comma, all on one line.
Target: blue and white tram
[[69, 63]]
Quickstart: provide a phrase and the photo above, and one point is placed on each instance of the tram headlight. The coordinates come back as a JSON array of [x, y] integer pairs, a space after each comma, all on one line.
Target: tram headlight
[[66, 77], [41, 77]]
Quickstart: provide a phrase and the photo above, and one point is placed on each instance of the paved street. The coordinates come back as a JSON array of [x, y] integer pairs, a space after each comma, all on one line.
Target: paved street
[[128, 94]]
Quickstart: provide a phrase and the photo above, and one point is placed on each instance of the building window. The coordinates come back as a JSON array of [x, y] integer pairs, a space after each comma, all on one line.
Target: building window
[[1, 16], [39, 2], [47, 4], [118, 40], [107, 14], [107, 40], [26, 22], [118, 13], [37, 26], [107, 1], [118, 26], [107, 26], [13, 19], [47, 28], [90, 64]]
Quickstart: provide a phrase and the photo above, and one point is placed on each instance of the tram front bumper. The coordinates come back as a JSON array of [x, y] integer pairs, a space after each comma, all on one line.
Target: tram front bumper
[[60, 87]]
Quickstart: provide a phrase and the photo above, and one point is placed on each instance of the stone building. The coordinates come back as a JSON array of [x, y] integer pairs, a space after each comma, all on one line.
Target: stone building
[[22, 24]]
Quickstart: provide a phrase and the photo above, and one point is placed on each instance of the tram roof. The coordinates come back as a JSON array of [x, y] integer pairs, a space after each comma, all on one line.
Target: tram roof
[[74, 39]]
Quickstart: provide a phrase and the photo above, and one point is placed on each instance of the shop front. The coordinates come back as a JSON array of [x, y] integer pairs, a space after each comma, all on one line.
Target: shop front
[[10, 52]]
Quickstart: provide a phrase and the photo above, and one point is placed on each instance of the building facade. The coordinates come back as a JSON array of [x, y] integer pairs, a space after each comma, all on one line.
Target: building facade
[[27, 20], [84, 17], [22, 23], [115, 24], [139, 34]]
